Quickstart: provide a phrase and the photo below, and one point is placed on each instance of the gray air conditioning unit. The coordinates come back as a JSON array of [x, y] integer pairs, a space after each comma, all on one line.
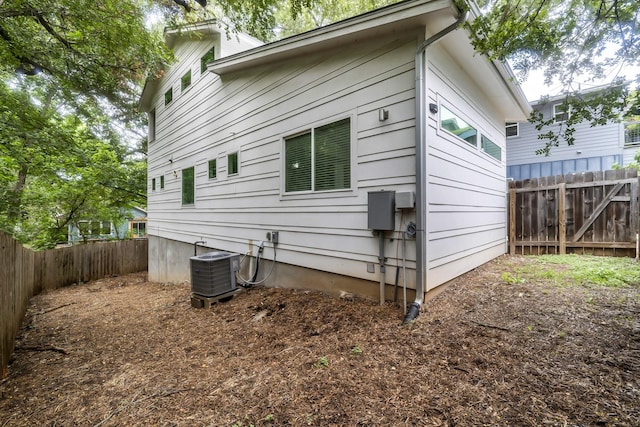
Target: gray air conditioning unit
[[214, 273]]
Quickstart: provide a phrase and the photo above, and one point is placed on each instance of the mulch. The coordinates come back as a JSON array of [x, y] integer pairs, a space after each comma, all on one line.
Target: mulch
[[125, 351]]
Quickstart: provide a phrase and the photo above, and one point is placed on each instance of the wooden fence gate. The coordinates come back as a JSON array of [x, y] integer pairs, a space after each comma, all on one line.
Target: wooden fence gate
[[587, 213]]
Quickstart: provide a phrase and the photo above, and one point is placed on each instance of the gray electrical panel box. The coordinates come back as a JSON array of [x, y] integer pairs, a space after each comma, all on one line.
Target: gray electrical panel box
[[382, 210]]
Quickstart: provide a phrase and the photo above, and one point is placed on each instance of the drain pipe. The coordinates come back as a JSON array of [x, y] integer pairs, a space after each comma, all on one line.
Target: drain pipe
[[421, 167]]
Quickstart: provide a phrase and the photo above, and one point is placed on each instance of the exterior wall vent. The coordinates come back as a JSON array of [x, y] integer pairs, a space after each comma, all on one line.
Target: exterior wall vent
[[213, 273]]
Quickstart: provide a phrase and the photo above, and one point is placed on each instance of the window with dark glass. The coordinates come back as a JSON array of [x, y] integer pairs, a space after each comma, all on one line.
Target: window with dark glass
[[188, 186], [319, 159]]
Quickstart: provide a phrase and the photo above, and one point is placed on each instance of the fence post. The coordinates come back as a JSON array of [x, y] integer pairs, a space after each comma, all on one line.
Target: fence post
[[562, 218], [512, 220]]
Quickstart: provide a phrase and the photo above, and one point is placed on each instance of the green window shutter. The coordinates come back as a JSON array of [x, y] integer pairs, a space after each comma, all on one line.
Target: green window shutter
[[298, 163], [212, 169], [232, 163], [188, 186], [332, 149]]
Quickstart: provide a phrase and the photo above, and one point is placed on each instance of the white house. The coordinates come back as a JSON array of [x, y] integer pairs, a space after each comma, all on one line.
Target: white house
[[292, 136], [596, 148]]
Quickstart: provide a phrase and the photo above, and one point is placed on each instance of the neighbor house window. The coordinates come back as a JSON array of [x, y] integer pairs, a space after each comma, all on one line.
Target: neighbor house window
[[561, 113], [161, 182], [212, 169], [208, 57], [511, 129], [188, 186], [153, 184], [168, 96], [490, 148], [319, 159], [451, 122], [152, 125], [138, 228], [232, 163], [185, 81]]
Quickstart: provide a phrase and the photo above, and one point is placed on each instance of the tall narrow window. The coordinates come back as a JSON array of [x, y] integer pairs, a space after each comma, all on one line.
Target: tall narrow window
[[212, 169], [232, 163], [185, 81], [511, 129], [451, 122], [153, 184], [168, 96], [320, 159], [152, 125], [208, 57], [161, 182], [188, 186]]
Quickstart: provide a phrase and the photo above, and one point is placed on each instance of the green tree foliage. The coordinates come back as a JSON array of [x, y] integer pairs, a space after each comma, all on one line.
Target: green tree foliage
[[568, 39]]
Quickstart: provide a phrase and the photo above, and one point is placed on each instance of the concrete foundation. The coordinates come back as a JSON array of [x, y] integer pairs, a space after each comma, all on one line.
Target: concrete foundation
[[169, 263]]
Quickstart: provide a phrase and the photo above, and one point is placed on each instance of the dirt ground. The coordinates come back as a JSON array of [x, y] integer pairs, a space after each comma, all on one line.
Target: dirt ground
[[124, 351]]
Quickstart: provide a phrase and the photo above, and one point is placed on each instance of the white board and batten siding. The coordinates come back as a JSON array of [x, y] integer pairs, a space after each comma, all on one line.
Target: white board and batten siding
[[466, 190], [251, 112]]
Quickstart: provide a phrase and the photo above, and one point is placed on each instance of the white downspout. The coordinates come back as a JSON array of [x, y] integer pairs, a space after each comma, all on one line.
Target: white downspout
[[421, 167]]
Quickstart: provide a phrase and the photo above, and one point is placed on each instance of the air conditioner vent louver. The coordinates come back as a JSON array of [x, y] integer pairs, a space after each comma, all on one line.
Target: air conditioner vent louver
[[213, 273]]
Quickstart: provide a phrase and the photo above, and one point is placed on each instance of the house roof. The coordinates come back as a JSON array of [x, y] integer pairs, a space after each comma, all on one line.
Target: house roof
[[496, 78]]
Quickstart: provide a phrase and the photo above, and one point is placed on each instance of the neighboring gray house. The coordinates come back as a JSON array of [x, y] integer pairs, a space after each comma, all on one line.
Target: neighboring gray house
[[294, 135], [133, 225], [596, 148]]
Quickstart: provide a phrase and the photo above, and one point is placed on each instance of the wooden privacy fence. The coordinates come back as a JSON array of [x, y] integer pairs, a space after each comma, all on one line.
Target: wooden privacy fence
[[25, 273], [588, 213]]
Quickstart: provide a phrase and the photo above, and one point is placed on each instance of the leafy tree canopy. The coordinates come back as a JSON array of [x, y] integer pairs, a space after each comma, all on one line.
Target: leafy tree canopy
[[569, 40]]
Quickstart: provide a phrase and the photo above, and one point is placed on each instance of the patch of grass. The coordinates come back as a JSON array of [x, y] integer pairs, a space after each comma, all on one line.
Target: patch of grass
[[322, 362], [568, 270], [356, 350]]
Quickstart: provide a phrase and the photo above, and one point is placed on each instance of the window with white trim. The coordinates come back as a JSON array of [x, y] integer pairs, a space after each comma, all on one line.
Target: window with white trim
[[232, 163], [213, 171], [490, 148], [454, 124], [561, 113], [168, 96], [319, 159], [206, 58], [512, 129], [185, 81], [152, 125], [188, 186]]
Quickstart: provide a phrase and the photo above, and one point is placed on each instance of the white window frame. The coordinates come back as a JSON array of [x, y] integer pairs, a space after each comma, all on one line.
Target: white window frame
[[561, 113], [512, 125], [311, 194]]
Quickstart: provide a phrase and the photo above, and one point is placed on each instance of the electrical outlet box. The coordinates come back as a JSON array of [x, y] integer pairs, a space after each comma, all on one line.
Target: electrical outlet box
[[405, 200], [274, 236]]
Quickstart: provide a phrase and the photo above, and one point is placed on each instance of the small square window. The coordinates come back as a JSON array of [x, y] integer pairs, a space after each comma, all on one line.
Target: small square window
[[212, 169], [561, 113], [161, 182], [153, 184], [185, 81], [208, 57], [232, 163], [511, 129], [168, 96]]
